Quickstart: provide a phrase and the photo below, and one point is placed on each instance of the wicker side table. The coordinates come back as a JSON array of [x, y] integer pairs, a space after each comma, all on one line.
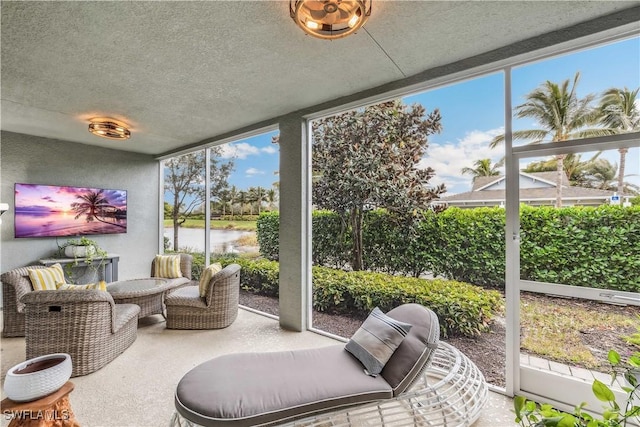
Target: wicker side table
[[53, 410]]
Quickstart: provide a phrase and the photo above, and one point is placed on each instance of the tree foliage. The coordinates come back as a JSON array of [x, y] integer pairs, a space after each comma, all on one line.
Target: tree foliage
[[368, 158], [561, 115], [620, 112], [483, 167], [184, 180]]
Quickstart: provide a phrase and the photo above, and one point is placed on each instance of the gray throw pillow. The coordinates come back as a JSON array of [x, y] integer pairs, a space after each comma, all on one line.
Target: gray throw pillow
[[376, 340]]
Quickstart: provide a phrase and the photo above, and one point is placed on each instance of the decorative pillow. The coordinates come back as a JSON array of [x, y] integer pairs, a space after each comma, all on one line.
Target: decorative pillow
[[44, 279], [101, 285], [206, 276], [167, 266], [376, 340]]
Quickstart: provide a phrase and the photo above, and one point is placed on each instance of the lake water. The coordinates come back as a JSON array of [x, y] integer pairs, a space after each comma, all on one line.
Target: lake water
[[193, 238]]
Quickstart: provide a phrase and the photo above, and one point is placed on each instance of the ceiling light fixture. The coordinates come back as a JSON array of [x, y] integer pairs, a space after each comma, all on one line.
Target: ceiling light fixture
[[330, 19], [109, 128]]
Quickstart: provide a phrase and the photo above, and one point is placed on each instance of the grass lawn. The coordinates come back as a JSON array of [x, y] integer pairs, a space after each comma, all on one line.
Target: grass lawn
[[216, 224], [576, 332]]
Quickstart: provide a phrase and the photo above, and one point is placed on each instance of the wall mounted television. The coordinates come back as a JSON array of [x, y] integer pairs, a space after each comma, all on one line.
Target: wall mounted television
[[55, 211]]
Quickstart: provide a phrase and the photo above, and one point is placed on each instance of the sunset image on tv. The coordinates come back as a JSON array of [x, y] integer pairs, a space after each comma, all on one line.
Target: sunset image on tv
[[52, 211]]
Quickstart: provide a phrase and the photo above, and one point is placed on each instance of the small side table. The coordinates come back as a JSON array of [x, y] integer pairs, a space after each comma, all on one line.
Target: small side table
[[49, 411]]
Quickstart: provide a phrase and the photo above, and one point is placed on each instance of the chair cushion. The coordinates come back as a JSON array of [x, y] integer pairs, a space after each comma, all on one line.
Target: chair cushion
[[185, 296], [249, 389], [416, 350], [375, 341], [206, 277], [167, 266], [43, 279]]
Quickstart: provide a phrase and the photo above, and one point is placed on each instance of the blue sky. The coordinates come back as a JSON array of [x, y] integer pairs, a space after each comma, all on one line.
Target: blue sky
[[472, 114]]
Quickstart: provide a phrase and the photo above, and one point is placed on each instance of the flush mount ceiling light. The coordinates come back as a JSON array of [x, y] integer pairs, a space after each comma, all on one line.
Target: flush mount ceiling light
[[109, 128], [330, 19]]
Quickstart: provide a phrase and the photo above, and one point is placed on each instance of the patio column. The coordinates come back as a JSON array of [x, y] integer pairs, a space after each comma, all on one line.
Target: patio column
[[295, 270]]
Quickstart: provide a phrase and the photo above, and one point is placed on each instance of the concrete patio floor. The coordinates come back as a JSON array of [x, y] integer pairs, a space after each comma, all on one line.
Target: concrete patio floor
[[136, 389]]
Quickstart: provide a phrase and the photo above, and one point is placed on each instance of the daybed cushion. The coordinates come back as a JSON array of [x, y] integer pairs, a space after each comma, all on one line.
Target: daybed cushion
[[375, 341], [416, 350], [248, 389]]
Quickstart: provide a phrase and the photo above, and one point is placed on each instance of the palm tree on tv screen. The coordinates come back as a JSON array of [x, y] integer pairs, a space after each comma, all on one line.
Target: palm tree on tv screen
[[94, 206]]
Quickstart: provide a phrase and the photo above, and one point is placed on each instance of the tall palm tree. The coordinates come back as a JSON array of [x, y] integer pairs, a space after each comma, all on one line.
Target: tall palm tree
[[562, 116], [483, 167], [233, 196], [242, 198], [93, 205], [619, 111], [272, 197]]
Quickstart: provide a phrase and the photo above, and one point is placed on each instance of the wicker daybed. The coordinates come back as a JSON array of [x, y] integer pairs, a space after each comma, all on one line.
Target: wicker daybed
[[327, 386]]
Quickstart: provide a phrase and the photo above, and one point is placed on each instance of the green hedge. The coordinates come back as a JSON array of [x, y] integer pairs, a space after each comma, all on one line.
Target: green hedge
[[579, 246], [462, 309]]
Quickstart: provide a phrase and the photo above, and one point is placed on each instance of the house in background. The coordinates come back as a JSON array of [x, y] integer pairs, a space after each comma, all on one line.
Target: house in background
[[536, 189]]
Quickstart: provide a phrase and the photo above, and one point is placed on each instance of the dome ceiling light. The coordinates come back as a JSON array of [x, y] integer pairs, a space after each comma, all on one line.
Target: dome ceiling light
[[109, 128], [330, 19]]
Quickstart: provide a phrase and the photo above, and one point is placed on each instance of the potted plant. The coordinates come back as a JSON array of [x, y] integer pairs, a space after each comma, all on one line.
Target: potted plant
[[85, 250], [531, 414]]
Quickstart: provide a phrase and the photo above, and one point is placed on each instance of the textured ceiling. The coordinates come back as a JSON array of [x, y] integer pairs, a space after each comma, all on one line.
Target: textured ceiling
[[181, 72]]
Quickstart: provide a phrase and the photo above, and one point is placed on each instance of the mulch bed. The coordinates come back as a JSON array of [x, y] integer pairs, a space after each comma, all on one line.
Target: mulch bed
[[487, 351]]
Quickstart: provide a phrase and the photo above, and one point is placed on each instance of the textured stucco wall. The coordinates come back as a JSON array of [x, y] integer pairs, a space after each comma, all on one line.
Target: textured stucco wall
[[34, 160]]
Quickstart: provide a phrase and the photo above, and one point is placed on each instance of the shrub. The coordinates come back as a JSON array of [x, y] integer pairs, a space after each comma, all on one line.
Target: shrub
[[268, 233], [462, 309]]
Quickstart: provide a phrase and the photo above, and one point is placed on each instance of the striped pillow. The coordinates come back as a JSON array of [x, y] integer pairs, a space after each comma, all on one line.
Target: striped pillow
[[207, 274], [46, 279], [101, 285], [167, 266], [376, 340]]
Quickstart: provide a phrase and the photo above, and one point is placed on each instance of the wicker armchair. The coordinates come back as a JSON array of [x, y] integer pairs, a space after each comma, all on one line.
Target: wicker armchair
[[187, 310], [83, 323], [15, 284]]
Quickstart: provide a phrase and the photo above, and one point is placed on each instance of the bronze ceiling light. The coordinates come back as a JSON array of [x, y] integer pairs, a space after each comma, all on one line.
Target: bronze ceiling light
[[330, 19], [109, 128]]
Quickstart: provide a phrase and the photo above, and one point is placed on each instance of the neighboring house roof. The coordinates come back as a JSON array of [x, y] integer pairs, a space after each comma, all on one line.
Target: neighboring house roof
[[537, 188]]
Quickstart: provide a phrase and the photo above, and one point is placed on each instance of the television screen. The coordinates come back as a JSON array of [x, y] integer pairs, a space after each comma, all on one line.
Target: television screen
[[53, 211]]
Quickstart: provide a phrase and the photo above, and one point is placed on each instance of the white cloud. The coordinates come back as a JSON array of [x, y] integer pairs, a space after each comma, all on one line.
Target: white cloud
[[238, 150], [449, 158], [253, 172], [269, 150]]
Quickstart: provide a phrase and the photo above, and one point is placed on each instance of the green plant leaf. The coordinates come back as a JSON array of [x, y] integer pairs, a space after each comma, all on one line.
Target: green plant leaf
[[602, 392], [614, 357]]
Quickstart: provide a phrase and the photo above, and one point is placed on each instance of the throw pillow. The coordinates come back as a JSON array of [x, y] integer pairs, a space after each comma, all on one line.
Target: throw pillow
[[167, 266], [206, 276], [376, 340], [43, 279], [101, 285]]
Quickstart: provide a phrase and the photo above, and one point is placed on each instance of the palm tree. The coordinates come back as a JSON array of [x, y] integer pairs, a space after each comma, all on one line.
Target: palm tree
[[483, 167], [224, 196], [272, 197], [574, 167], [242, 198], [233, 196], [93, 206], [562, 117], [619, 111], [601, 174]]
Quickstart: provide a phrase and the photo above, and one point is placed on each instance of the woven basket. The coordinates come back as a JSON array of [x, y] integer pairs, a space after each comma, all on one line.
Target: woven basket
[[37, 377]]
